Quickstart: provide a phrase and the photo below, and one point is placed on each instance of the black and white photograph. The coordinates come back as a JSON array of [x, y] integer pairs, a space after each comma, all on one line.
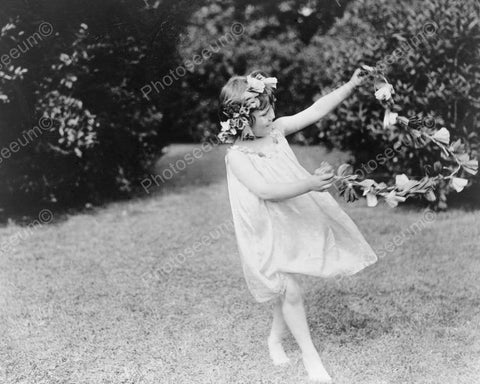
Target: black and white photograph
[[239, 192]]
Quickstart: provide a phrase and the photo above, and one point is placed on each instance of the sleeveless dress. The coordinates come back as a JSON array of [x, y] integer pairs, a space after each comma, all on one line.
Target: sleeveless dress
[[308, 234]]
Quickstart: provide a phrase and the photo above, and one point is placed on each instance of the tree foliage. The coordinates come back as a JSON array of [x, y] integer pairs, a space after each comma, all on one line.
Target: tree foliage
[[80, 84]]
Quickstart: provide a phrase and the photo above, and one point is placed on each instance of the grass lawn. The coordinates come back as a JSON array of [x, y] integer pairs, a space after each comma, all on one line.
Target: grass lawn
[[105, 296]]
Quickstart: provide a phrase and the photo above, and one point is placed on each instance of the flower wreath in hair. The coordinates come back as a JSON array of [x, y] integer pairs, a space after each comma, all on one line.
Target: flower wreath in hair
[[238, 114]]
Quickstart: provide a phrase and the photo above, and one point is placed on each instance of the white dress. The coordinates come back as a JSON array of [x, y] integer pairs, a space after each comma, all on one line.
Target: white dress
[[308, 234]]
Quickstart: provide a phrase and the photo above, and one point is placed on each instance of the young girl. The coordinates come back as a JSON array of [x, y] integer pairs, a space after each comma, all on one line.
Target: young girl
[[285, 222]]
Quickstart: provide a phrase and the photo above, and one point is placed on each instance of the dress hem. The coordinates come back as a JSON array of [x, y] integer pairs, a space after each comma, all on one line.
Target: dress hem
[[281, 292]]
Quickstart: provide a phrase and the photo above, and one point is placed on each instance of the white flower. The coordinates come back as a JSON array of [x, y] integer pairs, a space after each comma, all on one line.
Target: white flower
[[471, 166], [459, 183], [389, 119], [384, 92], [270, 81], [371, 199], [255, 84], [442, 135], [401, 180], [225, 125], [369, 186]]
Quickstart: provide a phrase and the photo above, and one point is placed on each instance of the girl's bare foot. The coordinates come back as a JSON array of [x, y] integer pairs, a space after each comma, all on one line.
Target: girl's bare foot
[[315, 369], [277, 353]]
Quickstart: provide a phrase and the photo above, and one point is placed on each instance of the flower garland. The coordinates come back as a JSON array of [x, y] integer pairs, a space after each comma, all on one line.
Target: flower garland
[[404, 187], [239, 113]]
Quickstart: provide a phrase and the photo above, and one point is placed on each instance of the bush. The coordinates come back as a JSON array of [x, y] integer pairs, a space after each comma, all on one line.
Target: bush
[[429, 52], [71, 105]]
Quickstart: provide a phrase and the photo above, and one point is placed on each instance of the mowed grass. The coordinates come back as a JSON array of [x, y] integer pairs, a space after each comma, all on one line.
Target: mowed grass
[[106, 296]]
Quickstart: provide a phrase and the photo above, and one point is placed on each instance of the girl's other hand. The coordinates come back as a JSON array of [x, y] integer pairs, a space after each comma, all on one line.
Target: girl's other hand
[[358, 77], [321, 181]]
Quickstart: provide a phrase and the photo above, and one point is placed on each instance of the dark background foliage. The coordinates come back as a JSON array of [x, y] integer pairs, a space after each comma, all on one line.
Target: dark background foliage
[[86, 77]]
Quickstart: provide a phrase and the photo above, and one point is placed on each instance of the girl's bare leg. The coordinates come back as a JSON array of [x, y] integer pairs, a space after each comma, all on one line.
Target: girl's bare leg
[[295, 317], [279, 328]]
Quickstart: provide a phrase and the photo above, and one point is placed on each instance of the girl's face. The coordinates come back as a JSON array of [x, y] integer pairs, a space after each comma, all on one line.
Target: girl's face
[[263, 120]]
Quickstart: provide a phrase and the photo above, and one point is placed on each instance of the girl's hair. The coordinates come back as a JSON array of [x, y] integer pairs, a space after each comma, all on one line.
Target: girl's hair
[[231, 97]]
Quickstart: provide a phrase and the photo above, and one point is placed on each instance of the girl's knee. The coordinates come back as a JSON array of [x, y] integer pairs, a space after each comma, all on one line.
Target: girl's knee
[[293, 292]]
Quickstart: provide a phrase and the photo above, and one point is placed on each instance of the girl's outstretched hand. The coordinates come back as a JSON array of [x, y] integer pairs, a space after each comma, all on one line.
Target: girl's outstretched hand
[[358, 77], [321, 181]]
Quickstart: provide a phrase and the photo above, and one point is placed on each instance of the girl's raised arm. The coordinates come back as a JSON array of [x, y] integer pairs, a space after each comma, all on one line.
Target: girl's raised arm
[[249, 176], [323, 106]]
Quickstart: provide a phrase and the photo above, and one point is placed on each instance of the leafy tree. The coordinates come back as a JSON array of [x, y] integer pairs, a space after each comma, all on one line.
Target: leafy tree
[[81, 84]]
